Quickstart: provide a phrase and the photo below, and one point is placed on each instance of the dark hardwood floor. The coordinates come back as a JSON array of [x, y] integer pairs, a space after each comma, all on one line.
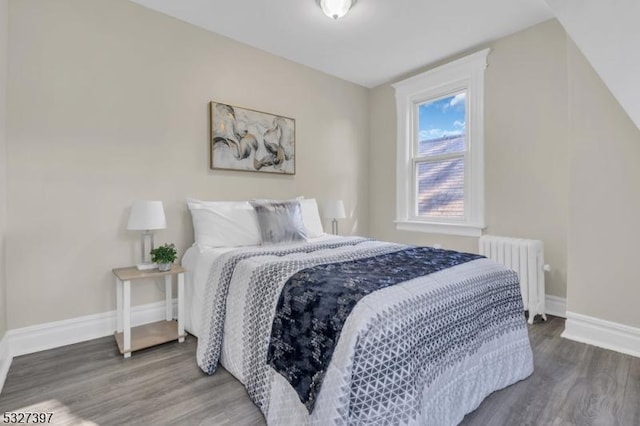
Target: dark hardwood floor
[[572, 384], [90, 383]]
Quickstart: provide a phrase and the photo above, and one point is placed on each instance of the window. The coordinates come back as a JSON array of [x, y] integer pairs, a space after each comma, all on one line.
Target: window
[[440, 170]]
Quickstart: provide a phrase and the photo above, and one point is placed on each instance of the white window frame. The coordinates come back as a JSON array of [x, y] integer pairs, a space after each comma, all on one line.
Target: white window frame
[[465, 74]]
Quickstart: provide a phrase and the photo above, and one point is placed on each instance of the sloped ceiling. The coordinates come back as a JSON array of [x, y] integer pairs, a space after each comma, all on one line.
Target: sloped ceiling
[[608, 34], [376, 42]]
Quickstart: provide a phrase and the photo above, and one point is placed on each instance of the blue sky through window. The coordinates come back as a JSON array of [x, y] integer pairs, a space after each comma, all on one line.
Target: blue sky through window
[[441, 118]]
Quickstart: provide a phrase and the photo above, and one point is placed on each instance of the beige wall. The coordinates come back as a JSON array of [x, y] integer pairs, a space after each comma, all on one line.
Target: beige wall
[[106, 99], [605, 200], [4, 34], [561, 165], [526, 150], [108, 103]]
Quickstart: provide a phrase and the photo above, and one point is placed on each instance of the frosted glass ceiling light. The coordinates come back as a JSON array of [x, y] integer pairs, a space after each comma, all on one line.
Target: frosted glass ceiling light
[[336, 8]]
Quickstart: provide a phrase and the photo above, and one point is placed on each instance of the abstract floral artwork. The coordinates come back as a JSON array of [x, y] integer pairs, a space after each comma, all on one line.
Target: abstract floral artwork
[[244, 139]]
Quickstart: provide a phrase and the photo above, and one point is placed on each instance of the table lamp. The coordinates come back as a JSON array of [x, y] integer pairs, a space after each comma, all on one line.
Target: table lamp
[[146, 216], [334, 210]]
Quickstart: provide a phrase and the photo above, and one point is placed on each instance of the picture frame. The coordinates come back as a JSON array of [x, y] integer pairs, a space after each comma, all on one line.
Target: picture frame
[[244, 139]]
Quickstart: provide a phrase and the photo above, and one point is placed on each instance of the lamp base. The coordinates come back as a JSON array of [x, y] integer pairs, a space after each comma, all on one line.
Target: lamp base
[[146, 266], [334, 226]]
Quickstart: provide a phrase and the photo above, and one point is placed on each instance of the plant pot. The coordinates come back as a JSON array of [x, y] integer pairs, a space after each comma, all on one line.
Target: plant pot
[[164, 267]]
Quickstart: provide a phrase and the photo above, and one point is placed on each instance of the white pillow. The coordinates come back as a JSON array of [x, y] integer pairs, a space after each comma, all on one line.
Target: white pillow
[[224, 223], [311, 217]]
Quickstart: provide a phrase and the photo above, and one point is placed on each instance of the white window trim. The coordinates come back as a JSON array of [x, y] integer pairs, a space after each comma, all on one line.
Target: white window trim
[[463, 74]]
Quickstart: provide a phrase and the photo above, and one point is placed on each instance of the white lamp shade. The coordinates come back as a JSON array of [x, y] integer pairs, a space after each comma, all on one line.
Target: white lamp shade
[[336, 8], [146, 216], [334, 209]]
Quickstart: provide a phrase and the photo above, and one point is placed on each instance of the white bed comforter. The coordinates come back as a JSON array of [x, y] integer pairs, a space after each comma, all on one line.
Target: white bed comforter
[[365, 383]]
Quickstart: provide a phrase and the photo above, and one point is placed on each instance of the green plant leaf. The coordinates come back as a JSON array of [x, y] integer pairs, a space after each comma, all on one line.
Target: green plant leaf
[[165, 253]]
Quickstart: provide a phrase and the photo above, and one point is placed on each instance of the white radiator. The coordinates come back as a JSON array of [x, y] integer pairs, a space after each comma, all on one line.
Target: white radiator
[[526, 257]]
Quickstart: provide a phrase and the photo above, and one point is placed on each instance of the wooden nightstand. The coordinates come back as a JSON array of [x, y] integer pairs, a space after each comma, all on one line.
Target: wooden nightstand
[[136, 338]]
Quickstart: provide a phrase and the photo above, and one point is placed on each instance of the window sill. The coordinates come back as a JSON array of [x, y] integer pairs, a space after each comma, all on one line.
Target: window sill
[[465, 230]]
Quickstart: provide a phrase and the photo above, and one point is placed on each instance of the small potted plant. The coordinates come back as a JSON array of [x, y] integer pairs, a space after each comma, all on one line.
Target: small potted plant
[[164, 256]]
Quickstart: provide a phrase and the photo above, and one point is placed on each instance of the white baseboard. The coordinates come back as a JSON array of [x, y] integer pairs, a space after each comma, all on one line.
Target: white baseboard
[[605, 334], [5, 359], [556, 306], [61, 333], [51, 335]]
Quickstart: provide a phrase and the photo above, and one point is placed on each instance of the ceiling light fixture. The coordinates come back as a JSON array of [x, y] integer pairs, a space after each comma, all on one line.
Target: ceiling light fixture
[[335, 8]]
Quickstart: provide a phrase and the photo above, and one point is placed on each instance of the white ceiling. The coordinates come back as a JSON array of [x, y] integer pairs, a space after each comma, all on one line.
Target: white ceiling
[[376, 42]]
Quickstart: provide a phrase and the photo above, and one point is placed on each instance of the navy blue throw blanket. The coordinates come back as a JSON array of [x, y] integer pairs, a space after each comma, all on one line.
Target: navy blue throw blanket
[[315, 303]]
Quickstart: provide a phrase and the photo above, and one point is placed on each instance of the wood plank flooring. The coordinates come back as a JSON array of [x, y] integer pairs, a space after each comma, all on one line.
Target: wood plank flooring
[[572, 384], [90, 383]]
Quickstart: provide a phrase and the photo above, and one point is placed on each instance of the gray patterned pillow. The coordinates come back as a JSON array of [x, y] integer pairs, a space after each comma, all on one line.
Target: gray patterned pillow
[[280, 221]]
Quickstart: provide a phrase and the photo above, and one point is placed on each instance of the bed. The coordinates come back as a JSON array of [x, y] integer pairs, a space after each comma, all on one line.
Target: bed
[[433, 333]]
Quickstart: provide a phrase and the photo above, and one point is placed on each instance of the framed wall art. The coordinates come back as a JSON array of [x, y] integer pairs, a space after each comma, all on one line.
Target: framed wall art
[[249, 140]]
